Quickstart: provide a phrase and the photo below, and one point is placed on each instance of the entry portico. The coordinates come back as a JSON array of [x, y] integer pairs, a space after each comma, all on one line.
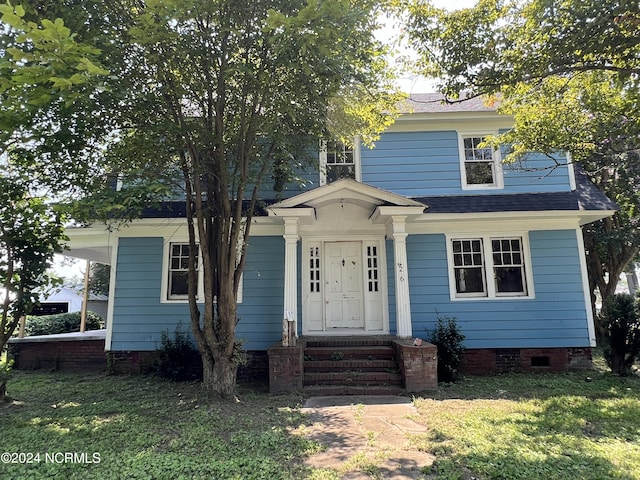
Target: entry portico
[[343, 228]]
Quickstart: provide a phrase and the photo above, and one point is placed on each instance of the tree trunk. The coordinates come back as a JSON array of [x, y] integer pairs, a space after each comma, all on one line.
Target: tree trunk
[[207, 373], [219, 377]]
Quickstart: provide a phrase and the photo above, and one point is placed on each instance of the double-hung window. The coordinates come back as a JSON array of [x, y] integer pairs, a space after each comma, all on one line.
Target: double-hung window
[[480, 165], [489, 267], [338, 160], [178, 271], [175, 286]]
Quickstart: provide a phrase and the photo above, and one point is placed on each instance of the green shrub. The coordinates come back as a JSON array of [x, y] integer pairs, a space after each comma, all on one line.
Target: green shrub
[[178, 357], [447, 337], [5, 375], [620, 323], [61, 323]]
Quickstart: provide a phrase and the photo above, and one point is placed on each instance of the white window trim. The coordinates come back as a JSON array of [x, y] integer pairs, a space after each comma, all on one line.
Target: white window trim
[[164, 288], [497, 161], [489, 267], [356, 159]]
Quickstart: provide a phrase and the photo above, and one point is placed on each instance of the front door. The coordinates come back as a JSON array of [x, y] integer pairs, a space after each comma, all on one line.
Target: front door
[[343, 285]]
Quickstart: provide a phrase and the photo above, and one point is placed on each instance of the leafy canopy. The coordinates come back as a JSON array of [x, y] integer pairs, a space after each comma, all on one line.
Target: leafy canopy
[[567, 71], [43, 69], [31, 231]]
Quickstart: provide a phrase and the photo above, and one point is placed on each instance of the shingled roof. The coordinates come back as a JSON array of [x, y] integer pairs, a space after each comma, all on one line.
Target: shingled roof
[[436, 103], [586, 197]]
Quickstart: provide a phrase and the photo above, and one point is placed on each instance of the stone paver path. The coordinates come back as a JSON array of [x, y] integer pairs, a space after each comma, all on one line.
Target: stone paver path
[[366, 437]]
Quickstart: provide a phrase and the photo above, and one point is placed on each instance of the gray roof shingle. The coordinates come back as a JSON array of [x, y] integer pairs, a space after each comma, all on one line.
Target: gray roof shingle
[[586, 196], [435, 103]]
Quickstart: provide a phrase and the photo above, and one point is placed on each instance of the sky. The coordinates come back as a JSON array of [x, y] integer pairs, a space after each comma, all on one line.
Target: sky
[[415, 83]]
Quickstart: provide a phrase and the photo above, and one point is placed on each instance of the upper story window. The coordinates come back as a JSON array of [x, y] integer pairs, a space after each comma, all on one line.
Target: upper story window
[[480, 166], [338, 160], [485, 266]]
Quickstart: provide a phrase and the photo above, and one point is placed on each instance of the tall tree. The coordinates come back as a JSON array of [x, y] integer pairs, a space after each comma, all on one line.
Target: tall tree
[[567, 70], [216, 99], [232, 90], [31, 232], [41, 66]]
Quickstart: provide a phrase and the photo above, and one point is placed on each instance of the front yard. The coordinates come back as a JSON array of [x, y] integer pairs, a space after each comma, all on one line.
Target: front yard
[[66, 426]]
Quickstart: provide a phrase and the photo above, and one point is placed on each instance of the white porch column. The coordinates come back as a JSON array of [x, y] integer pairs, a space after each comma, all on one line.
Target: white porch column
[[403, 302], [291, 238]]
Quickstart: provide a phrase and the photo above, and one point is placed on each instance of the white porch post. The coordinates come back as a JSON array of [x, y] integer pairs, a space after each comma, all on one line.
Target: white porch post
[[403, 303], [291, 238]]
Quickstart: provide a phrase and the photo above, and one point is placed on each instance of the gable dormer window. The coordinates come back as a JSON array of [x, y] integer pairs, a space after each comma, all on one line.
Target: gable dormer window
[[338, 160], [480, 165]]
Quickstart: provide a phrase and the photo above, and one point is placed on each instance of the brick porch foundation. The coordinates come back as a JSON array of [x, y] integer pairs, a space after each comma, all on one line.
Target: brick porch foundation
[[504, 360], [73, 352]]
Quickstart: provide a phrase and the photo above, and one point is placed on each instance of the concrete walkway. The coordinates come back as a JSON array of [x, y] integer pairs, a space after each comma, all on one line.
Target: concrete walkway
[[366, 437]]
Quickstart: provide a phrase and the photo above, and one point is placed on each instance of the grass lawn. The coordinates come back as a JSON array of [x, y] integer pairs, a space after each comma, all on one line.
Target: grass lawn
[[542, 426]]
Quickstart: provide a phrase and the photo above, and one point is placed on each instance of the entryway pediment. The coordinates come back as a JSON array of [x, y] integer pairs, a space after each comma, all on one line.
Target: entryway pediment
[[346, 191]]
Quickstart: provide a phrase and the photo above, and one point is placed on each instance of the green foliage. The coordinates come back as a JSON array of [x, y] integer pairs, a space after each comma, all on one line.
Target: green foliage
[[236, 93], [99, 276], [60, 323], [178, 358], [620, 323], [447, 337], [567, 71], [42, 63], [5, 375], [31, 232], [511, 427], [496, 43], [524, 426], [148, 428], [208, 100]]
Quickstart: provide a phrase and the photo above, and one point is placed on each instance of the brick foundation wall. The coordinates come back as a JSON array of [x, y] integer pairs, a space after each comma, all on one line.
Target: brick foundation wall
[[71, 356], [131, 362], [141, 362], [418, 364], [504, 360]]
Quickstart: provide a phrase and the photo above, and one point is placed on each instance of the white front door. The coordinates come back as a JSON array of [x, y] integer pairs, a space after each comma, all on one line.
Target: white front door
[[343, 285]]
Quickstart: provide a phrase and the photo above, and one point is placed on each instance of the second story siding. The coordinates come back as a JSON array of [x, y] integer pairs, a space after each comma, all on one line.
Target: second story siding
[[422, 163]]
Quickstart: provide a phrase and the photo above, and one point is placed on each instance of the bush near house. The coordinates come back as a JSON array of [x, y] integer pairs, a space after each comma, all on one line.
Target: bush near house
[[178, 358], [61, 323], [448, 338], [620, 323]]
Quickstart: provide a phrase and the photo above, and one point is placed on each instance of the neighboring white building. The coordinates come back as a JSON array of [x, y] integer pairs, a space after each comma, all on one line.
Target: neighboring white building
[[66, 300]]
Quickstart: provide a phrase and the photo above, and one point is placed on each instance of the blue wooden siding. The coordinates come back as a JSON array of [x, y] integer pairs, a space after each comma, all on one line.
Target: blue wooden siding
[[428, 163], [556, 317], [140, 317], [417, 164]]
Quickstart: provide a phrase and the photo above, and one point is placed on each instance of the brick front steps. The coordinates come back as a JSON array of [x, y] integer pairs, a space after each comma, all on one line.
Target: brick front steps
[[379, 365], [351, 366]]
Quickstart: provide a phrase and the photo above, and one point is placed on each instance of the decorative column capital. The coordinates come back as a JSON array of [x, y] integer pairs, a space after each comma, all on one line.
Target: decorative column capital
[[397, 227], [291, 228]]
